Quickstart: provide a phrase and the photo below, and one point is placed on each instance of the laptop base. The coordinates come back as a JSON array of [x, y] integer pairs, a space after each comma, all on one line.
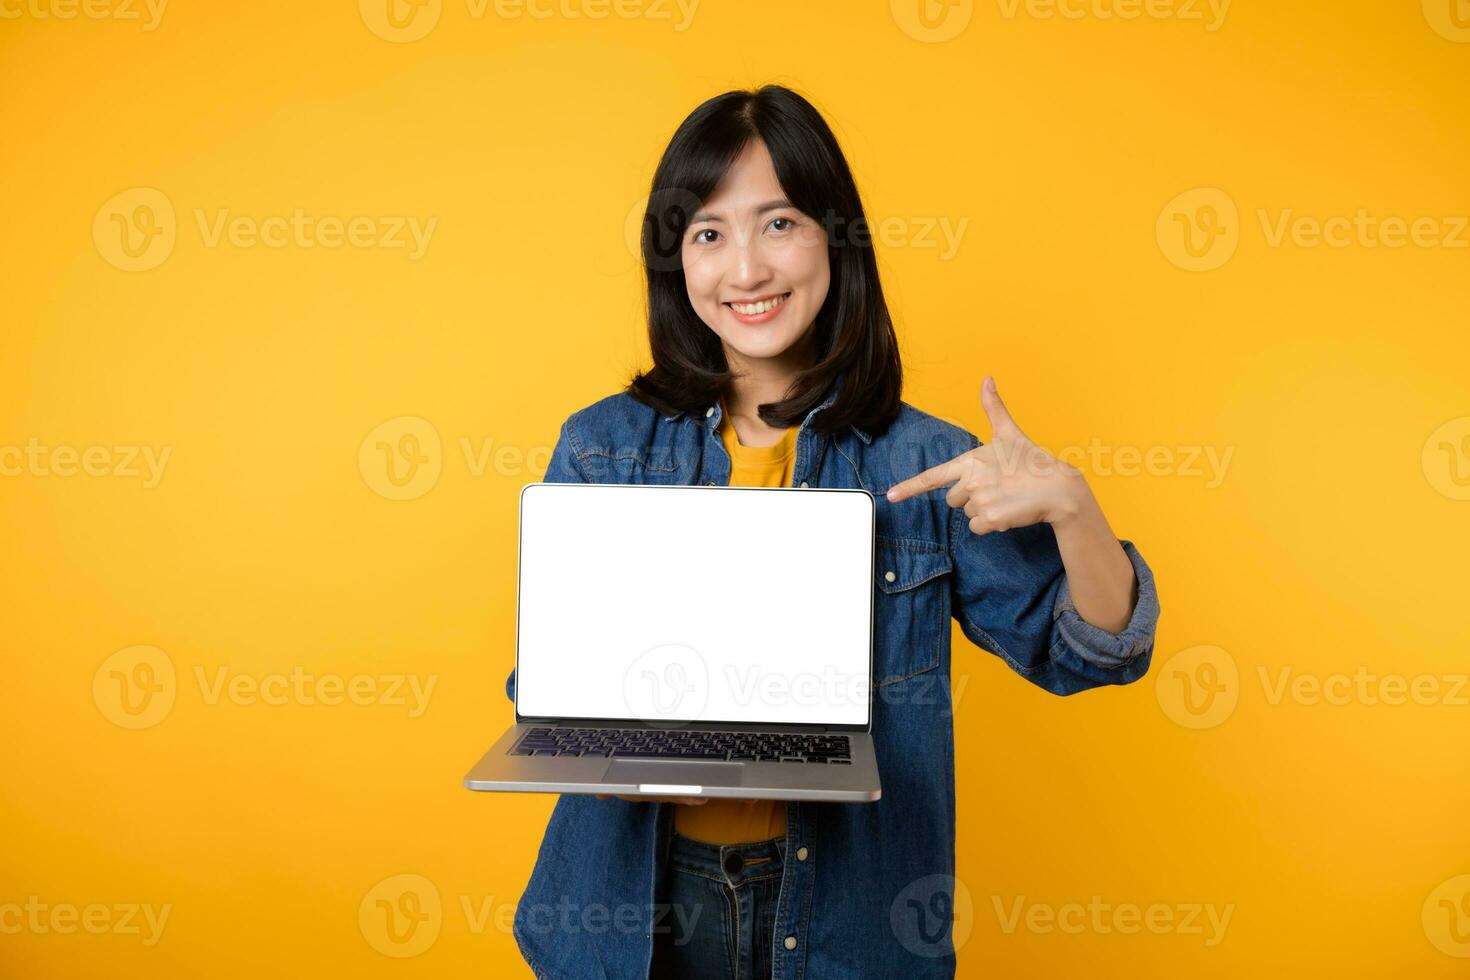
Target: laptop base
[[501, 771]]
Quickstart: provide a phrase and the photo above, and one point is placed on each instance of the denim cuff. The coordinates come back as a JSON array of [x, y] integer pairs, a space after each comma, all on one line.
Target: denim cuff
[[1098, 646]]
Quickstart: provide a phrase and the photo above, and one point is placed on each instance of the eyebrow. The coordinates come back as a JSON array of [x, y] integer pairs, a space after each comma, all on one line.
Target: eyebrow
[[775, 205]]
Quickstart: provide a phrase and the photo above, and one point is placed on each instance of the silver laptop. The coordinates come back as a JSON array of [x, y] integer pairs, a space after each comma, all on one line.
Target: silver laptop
[[691, 641]]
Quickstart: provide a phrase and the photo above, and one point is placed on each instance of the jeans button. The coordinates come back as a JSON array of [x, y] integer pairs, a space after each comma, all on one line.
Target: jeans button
[[733, 863]]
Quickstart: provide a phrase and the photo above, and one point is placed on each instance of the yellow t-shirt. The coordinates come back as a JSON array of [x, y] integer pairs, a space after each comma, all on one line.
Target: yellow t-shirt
[[739, 821]]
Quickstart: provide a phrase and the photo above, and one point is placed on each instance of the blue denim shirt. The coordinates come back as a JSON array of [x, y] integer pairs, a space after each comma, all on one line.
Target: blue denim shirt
[[873, 894]]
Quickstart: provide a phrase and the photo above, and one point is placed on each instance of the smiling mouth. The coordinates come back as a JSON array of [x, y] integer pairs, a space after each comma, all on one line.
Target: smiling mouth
[[757, 307]]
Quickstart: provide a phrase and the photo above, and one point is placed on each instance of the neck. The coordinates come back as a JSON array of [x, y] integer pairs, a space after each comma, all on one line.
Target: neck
[[760, 381], [754, 384]]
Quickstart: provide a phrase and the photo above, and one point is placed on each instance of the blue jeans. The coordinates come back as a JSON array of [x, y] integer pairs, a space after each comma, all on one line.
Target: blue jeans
[[721, 901]]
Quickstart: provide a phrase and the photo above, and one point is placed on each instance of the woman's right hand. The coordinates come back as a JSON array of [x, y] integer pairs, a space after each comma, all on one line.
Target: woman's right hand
[[686, 800]]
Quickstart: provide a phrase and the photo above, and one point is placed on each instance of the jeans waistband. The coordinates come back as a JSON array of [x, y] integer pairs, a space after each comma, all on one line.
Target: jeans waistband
[[729, 863]]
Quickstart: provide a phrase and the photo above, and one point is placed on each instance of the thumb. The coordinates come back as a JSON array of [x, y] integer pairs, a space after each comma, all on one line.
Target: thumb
[[1001, 423]]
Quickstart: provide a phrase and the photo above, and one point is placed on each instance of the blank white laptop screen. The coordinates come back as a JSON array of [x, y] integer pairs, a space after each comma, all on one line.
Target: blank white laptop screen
[[721, 604]]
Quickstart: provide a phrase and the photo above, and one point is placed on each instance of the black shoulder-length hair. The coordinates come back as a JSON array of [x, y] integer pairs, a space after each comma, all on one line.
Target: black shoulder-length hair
[[852, 336]]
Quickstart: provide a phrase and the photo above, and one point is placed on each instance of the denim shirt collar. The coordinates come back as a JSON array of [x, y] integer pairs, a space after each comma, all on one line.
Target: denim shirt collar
[[714, 412]]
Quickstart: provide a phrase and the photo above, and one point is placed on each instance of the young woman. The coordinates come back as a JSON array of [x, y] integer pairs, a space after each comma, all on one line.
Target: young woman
[[775, 364]]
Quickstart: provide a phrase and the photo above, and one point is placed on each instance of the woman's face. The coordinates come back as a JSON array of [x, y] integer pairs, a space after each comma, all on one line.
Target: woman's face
[[755, 267]]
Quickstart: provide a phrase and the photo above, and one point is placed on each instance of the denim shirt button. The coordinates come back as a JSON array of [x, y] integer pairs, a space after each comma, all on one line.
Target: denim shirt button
[[889, 576], [790, 942], [709, 411], [803, 484], [801, 854]]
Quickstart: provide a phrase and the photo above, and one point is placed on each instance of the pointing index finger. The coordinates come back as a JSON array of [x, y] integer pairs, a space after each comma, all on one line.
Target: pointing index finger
[[934, 476]]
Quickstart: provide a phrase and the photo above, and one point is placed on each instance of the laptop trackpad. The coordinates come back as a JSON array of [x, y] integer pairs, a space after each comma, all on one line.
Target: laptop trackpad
[[674, 773]]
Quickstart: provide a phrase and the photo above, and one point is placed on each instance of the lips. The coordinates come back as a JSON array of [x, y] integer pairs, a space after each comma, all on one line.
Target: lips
[[757, 309]]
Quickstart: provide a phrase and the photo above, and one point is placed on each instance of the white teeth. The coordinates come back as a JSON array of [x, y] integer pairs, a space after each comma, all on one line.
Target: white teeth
[[751, 309]]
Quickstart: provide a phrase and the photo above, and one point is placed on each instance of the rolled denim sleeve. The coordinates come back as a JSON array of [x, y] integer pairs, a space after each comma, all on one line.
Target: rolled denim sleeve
[[1097, 645], [1011, 597], [563, 468]]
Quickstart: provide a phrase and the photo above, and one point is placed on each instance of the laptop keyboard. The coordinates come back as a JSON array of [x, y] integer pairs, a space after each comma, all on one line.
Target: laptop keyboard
[[644, 743]]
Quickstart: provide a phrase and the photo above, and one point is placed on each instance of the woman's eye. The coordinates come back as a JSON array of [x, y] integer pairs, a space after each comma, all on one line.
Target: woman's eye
[[785, 223], [699, 238]]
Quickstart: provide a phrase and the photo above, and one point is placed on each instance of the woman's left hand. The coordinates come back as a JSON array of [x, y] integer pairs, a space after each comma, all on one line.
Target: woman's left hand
[[1006, 483]]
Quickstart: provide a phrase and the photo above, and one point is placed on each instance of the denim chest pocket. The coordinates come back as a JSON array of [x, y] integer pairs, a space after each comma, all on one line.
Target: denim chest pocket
[[911, 607], [633, 465]]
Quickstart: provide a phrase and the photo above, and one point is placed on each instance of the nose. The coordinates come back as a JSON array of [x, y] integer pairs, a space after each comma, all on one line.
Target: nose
[[750, 266]]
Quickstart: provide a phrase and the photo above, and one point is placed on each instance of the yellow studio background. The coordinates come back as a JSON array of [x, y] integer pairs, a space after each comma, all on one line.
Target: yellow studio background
[[1218, 252]]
